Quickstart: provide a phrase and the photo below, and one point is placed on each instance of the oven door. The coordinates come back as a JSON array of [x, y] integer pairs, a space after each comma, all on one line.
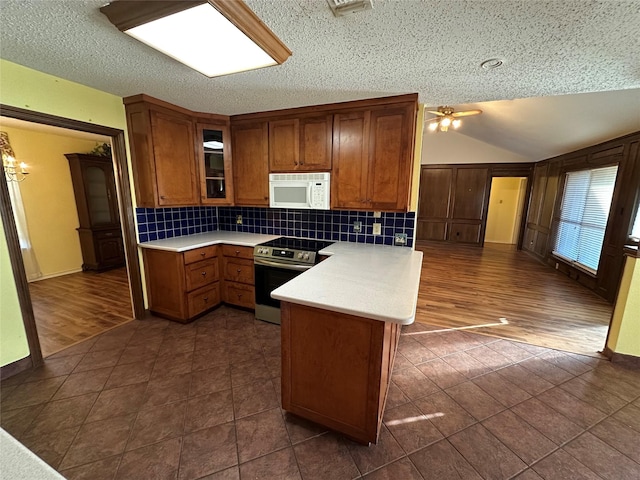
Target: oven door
[[270, 275]]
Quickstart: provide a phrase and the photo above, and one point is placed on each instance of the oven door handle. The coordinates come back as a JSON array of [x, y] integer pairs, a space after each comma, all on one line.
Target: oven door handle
[[285, 266]]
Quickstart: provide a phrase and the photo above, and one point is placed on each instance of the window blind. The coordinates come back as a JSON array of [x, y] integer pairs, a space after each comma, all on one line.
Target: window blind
[[583, 215], [635, 230]]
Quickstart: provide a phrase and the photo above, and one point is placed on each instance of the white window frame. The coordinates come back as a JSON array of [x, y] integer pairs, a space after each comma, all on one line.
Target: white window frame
[[580, 227]]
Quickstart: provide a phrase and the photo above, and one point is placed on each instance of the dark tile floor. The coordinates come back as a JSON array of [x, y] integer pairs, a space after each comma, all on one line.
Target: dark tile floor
[[156, 400]]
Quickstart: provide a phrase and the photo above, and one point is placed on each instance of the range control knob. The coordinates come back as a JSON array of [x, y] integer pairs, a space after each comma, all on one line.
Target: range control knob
[[306, 256], [300, 255]]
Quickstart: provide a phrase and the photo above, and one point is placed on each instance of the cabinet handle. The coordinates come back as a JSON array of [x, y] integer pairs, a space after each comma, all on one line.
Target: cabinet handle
[[237, 252], [203, 254], [162, 197], [239, 296], [110, 234], [204, 274], [206, 299]]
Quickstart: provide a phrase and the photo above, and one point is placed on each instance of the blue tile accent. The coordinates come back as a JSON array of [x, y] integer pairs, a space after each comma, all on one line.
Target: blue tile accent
[[159, 223], [334, 225]]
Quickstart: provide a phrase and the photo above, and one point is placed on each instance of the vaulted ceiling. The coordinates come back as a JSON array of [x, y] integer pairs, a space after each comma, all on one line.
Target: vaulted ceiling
[[570, 75]]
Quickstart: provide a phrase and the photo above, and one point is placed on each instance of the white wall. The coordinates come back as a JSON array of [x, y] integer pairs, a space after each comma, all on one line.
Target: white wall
[[455, 148]]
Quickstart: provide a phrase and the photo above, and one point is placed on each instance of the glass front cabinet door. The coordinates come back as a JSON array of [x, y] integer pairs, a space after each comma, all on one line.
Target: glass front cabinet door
[[214, 158]]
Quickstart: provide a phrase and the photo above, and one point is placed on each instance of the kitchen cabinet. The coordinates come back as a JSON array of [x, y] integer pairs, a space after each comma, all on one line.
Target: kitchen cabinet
[[301, 144], [237, 270], [162, 153], [250, 144], [372, 158], [97, 205], [182, 286], [336, 368], [214, 163]]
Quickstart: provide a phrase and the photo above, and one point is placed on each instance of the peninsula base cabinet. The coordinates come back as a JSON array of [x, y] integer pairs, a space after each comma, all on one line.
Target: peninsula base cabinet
[[182, 286], [336, 369]]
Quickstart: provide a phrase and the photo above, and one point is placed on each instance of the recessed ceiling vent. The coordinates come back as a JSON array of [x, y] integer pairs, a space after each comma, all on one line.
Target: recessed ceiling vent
[[341, 8]]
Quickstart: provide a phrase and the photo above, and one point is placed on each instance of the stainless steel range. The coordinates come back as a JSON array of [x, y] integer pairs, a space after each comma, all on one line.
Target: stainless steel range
[[276, 262]]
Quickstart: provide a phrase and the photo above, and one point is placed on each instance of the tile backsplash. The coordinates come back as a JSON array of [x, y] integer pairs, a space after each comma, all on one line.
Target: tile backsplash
[[334, 225], [337, 225], [158, 223]]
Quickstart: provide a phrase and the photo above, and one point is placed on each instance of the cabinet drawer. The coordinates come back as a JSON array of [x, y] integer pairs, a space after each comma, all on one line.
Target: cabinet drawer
[[199, 254], [238, 252], [238, 270], [201, 273], [203, 299], [239, 294]]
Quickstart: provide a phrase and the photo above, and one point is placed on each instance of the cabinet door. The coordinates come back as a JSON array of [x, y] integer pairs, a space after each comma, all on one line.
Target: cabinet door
[[109, 249], [350, 160], [251, 164], [390, 156], [284, 146], [100, 191], [174, 155], [214, 162], [316, 139]]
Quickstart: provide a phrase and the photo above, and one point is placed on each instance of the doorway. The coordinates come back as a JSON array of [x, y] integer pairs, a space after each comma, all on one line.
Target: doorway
[[506, 206], [125, 208], [53, 207]]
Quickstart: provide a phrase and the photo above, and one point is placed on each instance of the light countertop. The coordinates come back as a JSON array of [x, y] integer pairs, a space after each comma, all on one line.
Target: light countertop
[[189, 242], [372, 281]]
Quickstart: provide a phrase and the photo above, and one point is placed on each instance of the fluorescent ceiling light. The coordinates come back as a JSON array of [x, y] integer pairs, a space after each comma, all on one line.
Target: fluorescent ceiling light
[[214, 145], [215, 37]]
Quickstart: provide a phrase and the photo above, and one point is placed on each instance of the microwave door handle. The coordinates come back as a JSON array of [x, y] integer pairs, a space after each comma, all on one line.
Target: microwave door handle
[[309, 195]]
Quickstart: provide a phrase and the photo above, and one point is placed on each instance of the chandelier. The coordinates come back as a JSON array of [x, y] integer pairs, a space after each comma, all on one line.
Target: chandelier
[[13, 171]]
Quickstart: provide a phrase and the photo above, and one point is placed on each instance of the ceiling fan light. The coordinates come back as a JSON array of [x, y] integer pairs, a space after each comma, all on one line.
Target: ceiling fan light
[[445, 122], [433, 126], [456, 123]]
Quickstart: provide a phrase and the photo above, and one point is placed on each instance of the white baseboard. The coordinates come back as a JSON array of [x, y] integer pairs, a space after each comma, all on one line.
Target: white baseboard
[[56, 274]]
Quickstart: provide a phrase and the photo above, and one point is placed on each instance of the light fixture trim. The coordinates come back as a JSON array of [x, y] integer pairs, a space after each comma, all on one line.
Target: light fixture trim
[[230, 24]]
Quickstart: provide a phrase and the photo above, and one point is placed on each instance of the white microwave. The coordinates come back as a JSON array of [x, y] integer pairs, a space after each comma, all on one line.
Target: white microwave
[[299, 190]]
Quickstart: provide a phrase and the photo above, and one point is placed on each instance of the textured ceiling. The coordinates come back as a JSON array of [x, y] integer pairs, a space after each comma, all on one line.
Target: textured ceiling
[[432, 47]]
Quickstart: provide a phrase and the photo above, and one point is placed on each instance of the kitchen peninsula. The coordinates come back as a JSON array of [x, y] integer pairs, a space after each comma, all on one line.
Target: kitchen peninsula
[[341, 324]]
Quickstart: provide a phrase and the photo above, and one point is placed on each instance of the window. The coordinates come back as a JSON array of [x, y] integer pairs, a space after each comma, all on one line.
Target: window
[[583, 216], [635, 230]]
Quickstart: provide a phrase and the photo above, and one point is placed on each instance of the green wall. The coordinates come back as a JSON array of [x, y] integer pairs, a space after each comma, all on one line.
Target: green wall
[[32, 90]]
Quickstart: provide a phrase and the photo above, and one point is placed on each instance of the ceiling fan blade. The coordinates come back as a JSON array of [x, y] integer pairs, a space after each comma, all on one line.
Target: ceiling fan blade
[[467, 113], [440, 114]]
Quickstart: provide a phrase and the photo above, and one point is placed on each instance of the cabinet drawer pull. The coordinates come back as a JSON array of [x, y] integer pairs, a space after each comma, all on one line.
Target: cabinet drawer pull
[[239, 270], [237, 252], [204, 274], [239, 296], [203, 254], [110, 234], [206, 299]]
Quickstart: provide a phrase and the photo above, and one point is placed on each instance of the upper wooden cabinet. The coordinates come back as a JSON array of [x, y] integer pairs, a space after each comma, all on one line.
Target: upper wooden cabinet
[[162, 153], [250, 144], [372, 158], [213, 147], [300, 144]]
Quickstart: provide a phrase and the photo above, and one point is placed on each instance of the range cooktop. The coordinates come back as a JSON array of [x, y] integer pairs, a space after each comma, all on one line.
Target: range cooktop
[[299, 244]]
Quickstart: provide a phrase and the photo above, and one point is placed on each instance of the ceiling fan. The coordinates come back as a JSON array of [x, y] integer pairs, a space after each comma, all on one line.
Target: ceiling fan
[[447, 117]]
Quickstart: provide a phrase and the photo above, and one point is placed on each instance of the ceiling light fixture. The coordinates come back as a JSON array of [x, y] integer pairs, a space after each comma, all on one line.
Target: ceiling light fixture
[[491, 63], [447, 117], [214, 37], [340, 8]]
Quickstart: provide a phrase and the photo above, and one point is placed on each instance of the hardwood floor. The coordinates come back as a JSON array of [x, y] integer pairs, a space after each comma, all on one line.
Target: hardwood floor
[[502, 292], [74, 307]]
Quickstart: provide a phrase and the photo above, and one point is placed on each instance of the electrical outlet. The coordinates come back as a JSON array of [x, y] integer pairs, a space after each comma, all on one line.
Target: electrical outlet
[[238, 219], [377, 214], [400, 239], [357, 227], [377, 229]]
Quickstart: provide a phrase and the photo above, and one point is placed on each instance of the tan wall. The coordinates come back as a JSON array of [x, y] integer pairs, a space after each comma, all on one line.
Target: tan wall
[[455, 148], [503, 210], [624, 336], [47, 194]]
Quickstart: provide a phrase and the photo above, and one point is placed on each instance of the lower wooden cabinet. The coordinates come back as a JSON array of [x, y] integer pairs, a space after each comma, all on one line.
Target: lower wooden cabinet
[[182, 286], [238, 273]]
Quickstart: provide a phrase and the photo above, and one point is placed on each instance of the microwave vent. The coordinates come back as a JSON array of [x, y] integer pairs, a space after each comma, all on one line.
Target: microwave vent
[[298, 177], [345, 7]]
